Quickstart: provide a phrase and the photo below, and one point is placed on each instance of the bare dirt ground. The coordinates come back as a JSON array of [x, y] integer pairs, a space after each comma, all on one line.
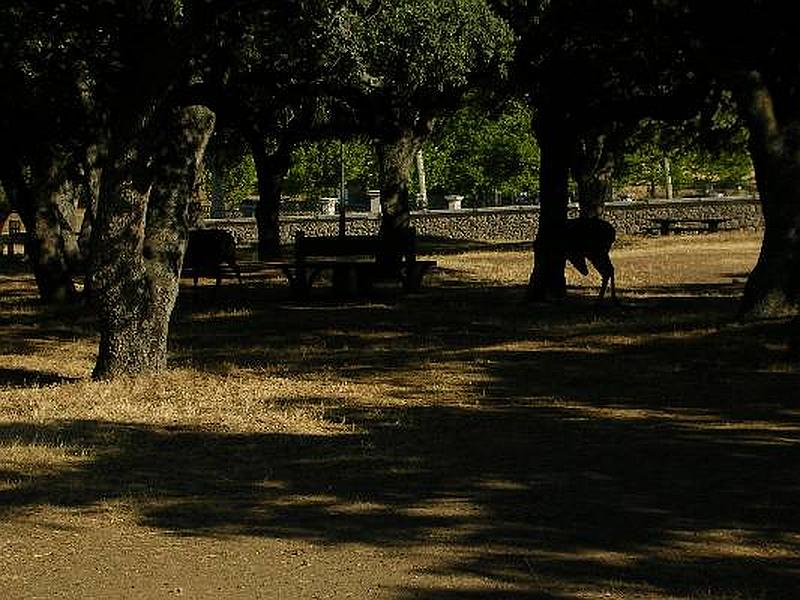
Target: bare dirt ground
[[456, 443]]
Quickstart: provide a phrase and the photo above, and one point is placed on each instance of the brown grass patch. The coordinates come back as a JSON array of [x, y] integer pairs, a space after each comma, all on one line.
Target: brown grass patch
[[479, 446]]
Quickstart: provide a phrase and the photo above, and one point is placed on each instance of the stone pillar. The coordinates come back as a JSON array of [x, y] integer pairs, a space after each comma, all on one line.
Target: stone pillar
[[454, 202], [374, 201]]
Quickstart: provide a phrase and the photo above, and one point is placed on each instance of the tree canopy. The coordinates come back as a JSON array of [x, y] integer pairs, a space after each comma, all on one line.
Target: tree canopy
[[117, 99]]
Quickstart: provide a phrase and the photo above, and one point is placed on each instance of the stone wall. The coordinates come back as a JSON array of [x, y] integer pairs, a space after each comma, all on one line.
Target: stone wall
[[514, 223]]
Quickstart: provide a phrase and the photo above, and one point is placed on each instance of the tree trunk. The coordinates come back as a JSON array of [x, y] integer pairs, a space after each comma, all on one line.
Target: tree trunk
[[46, 206], [271, 170], [547, 280], [90, 187], [423, 187], [773, 288], [396, 160], [593, 172], [139, 239]]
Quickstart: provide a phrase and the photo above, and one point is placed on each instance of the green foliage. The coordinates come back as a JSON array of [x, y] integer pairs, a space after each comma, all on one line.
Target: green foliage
[[698, 159], [475, 153], [416, 52], [229, 176], [412, 58], [230, 186], [472, 154], [316, 173]]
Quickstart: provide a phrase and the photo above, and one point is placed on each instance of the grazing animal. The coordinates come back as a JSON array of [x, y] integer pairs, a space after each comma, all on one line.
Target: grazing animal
[[207, 251], [590, 238]]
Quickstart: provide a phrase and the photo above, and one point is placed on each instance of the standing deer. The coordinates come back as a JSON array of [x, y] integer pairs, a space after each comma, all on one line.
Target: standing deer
[[207, 250], [590, 238]]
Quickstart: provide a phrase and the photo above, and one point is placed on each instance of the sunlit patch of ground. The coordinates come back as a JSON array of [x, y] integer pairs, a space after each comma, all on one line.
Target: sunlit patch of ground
[[456, 443]]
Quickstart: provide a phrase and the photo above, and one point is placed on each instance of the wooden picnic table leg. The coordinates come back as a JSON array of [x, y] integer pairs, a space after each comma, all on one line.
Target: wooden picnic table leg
[[299, 280], [345, 280], [413, 279]]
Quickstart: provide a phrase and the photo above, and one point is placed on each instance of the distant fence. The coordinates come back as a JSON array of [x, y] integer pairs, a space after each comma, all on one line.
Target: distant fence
[[510, 223]]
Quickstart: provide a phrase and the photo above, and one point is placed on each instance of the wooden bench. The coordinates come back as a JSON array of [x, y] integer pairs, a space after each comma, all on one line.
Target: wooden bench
[[10, 241], [354, 262], [667, 225]]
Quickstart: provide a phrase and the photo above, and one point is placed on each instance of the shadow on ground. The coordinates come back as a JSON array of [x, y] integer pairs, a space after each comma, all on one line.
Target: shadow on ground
[[651, 448], [19, 378]]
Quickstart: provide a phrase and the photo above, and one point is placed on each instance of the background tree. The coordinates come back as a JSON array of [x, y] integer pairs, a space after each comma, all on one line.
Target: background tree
[[132, 60], [701, 155], [477, 153], [316, 167], [413, 60], [764, 77], [44, 124], [229, 173], [591, 70], [270, 82]]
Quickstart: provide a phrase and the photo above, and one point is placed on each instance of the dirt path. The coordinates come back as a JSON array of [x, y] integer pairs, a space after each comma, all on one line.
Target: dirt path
[[52, 555]]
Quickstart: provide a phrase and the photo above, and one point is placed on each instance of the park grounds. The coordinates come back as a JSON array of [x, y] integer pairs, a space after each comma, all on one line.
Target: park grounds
[[456, 443]]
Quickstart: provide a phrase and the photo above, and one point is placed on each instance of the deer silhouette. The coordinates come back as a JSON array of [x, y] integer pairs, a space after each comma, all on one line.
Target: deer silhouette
[[207, 250], [590, 238]]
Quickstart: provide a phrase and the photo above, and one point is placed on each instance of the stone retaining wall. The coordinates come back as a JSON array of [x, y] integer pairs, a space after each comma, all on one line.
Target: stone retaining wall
[[514, 223]]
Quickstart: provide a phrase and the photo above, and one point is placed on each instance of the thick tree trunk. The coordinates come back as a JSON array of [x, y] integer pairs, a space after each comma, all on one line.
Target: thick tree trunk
[[396, 158], [773, 288], [139, 239], [271, 170], [46, 204], [593, 171], [547, 280]]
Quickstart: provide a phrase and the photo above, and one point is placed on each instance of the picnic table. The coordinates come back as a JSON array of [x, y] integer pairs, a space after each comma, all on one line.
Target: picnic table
[[667, 225], [10, 241], [355, 262]]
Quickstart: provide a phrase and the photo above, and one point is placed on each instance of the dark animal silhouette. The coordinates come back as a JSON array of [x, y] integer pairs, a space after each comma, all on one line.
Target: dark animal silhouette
[[590, 238], [207, 251]]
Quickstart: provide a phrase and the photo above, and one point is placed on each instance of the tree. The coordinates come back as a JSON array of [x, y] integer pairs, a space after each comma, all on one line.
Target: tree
[[764, 76], [591, 70], [152, 147], [229, 174], [756, 57], [5, 205], [316, 167], [141, 231], [411, 61], [124, 65], [701, 154], [43, 122], [270, 83], [477, 151]]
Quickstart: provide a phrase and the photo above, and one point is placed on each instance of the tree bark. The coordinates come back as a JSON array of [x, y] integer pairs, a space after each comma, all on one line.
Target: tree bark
[[46, 203], [547, 281], [773, 287], [396, 158], [593, 170], [271, 170], [91, 183], [139, 239]]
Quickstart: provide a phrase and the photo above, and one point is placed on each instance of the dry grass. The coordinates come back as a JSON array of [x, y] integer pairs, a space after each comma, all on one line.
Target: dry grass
[[516, 451]]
